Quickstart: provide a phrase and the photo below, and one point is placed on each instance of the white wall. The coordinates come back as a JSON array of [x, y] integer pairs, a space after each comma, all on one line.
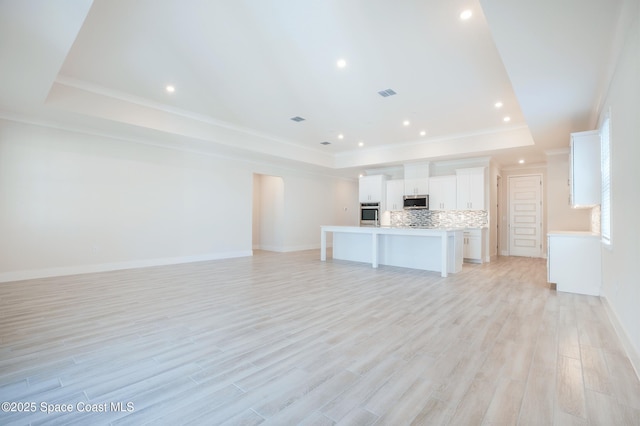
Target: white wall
[[621, 277], [561, 217], [73, 203]]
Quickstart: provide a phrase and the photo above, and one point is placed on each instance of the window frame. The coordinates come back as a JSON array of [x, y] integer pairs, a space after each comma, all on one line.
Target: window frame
[[605, 178]]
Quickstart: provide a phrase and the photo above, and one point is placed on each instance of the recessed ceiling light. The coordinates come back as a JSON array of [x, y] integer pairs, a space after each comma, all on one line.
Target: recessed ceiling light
[[507, 119], [341, 63], [521, 161], [498, 104], [466, 14], [325, 143], [406, 122], [360, 143], [340, 136], [170, 89], [423, 133]]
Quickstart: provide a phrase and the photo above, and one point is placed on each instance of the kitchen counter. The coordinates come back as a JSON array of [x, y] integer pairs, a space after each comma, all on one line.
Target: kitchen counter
[[574, 234], [432, 249]]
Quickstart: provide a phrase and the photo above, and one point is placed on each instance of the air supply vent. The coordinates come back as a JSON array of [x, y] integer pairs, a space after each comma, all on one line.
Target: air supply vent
[[386, 93], [325, 143], [297, 119]]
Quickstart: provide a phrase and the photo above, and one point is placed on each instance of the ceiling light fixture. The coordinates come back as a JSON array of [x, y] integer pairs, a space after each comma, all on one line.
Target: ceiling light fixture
[[521, 161], [360, 143], [341, 63], [170, 89], [340, 136], [466, 14], [423, 133], [406, 123], [498, 104], [507, 119]]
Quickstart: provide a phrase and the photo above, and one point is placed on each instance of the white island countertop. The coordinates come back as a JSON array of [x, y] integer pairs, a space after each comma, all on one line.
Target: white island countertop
[[438, 249]]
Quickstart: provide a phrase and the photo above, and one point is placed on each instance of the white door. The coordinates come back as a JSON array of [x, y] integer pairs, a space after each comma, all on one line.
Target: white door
[[525, 216]]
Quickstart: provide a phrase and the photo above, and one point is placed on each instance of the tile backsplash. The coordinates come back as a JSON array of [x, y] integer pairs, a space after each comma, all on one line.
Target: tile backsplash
[[440, 219]]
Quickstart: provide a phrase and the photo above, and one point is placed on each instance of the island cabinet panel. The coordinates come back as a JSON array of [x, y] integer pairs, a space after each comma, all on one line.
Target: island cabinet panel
[[585, 169], [470, 188], [411, 252], [431, 249], [372, 189], [442, 193]]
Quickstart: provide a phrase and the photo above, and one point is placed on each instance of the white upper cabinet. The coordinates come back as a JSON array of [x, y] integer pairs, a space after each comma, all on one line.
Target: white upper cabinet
[[470, 188], [416, 179], [585, 169], [373, 189], [395, 193], [442, 193]]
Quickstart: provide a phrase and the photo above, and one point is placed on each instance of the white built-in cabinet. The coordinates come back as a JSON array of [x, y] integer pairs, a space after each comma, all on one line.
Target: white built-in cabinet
[[372, 189], [470, 188], [416, 179], [574, 262], [473, 243], [442, 192], [395, 194], [585, 169]]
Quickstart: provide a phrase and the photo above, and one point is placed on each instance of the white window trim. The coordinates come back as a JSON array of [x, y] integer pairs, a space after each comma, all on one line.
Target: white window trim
[[606, 180]]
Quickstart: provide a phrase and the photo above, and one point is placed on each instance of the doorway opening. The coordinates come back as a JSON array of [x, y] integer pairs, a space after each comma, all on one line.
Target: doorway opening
[[268, 213]]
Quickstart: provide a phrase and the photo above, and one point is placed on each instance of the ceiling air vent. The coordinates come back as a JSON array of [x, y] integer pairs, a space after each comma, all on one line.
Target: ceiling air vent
[[386, 93], [325, 143], [297, 119]]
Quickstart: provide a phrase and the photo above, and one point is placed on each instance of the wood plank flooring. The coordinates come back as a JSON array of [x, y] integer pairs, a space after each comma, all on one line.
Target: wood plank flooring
[[284, 339]]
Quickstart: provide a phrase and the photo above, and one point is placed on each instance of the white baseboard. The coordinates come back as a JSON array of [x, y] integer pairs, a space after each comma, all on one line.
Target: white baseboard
[[631, 351], [104, 267], [504, 253], [288, 249]]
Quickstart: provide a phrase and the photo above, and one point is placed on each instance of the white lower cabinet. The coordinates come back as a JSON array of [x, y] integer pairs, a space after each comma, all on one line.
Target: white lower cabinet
[[573, 262], [473, 242]]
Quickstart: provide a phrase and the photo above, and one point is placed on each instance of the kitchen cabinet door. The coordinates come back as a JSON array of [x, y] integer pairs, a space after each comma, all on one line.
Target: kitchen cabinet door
[[395, 194], [470, 188], [372, 189], [442, 193], [473, 243], [585, 169], [416, 179]]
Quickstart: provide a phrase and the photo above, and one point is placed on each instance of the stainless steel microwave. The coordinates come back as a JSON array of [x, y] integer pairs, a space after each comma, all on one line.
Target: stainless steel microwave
[[416, 202]]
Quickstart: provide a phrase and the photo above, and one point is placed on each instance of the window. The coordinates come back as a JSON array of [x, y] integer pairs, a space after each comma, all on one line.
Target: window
[[605, 168]]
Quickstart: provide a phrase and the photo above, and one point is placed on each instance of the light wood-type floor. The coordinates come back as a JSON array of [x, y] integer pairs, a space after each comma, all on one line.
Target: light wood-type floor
[[284, 339]]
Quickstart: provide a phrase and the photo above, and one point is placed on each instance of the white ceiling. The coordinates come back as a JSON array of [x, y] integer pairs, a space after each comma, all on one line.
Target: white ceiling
[[243, 68]]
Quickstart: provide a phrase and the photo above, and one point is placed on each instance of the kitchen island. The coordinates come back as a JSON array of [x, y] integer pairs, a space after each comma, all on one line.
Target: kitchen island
[[430, 249]]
